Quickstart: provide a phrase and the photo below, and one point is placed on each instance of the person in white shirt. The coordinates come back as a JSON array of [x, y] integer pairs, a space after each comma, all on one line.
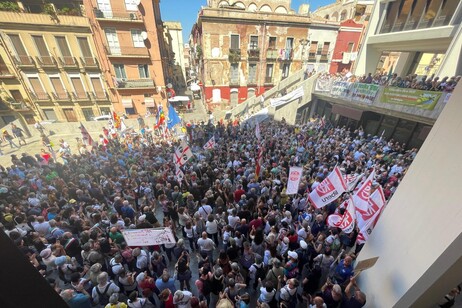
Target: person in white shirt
[[205, 210], [182, 299], [104, 287], [141, 259], [233, 220], [116, 264], [206, 245]]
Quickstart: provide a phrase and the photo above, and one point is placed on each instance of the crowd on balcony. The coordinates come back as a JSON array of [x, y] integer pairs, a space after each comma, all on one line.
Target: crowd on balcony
[[237, 234], [413, 81]]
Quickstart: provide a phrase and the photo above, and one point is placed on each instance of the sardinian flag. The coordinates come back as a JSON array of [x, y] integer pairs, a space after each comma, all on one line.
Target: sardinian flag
[[328, 190], [86, 136], [210, 144], [346, 222], [352, 180], [257, 131], [179, 175], [322, 122], [182, 154], [361, 197]]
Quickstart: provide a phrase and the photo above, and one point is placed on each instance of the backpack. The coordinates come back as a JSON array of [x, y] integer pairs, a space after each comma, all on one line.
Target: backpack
[[206, 289], [103, 297], [260, 273]]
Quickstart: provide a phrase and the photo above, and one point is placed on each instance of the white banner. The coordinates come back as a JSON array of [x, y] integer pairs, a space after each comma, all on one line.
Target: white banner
[[361, 197], [352, 180], [328, 190], [295, 175], [148, 237], [375, 204], [179, 174], [297, 93], [346, 222], [182, 154], [323, 85]]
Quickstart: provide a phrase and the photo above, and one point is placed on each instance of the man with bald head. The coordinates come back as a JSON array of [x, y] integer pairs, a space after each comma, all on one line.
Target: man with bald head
[[206, 245], [344, 270]]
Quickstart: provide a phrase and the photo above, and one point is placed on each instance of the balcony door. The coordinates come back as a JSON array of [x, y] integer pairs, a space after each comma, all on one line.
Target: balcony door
[[112, 41], [105, 7]]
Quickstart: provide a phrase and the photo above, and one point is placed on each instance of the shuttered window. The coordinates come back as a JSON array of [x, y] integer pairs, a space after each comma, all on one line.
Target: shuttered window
[[78, 87], [63, 47], [41, 46], [58, 86]]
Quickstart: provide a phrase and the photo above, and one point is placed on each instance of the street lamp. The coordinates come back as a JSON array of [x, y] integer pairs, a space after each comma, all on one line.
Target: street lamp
[[304, 43]]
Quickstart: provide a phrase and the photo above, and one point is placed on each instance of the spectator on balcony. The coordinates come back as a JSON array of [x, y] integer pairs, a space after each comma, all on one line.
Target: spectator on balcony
[[18, 133]]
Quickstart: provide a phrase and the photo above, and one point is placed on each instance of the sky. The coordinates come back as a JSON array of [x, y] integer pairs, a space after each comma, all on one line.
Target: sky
[[185, 11]]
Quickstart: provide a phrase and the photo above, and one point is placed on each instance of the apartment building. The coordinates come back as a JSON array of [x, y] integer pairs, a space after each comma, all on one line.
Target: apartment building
[[50, 62], [173, 33], [129, 38], [240, 49]]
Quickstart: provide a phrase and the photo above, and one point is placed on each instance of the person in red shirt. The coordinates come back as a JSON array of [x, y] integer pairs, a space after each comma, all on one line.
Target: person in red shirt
[[238, 193], [45, 155], [148, 285], [166, 297], [257, 222]]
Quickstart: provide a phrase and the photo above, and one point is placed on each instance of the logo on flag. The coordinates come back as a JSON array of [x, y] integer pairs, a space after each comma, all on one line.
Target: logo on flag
[[182, 154], [363, 194], [329, 189], [325, 187], [295, 174], [346, 222], [210, 144]]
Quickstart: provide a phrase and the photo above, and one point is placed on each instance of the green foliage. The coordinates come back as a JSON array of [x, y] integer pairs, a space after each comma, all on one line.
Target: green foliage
[[9, 6]]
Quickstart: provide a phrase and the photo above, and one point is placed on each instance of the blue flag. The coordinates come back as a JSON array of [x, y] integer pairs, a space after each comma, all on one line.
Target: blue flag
[[173, 118]]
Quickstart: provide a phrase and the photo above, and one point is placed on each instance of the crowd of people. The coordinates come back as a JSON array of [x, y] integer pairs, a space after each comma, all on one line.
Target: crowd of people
[[412, 81], [240, 239]]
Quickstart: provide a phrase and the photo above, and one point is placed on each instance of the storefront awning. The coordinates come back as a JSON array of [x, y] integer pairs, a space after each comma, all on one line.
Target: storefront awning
[[127, 102]]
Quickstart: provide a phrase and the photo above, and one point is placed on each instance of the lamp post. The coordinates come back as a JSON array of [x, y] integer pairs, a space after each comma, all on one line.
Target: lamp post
[[304, 43]]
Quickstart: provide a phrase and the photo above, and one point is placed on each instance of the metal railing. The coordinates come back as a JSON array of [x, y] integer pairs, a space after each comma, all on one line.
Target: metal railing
[[24, 61], [253, 53], [89, 62], [60, 96], [80, 96], [126, 51], [68, 61], [40, 96], [99, 95], [46, 61], [123, 83], [118, 15], [271, 54]]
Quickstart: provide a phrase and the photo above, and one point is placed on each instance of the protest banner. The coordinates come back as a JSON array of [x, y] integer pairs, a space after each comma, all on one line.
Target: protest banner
[[148, 237], [295, 174], [410, 97], [340, 88], [364, 92]]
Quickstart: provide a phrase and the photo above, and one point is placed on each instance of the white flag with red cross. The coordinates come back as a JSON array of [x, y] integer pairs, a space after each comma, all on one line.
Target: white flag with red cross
[[182, 154], [86, 136], [328, 190], [346, 222], [179, 174], [210, 144]]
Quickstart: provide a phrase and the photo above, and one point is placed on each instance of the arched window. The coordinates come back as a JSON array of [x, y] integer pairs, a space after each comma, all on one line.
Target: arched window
[[252, 7], [265, 8], [343, 15], [281, 10]]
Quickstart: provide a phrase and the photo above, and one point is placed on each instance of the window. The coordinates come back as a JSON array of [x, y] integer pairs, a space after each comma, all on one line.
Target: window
[[58, 86], [63, 47], [16, 94], [285, 70], [351, 45], [253, 42], [290, 43], [272, 43], [41, 46], [319, 50], [18, 46], [447, 10], [130, 110], [143, 70], [313, 48], [88, 113], [79, 90], [131, 5], [36, 86], [325, 49], [84, 47], [234, 73], [235, 41], [252, 73], [120, 71], [137, 39], [97, 87], [105, 110], [269, 70], [50, 114]]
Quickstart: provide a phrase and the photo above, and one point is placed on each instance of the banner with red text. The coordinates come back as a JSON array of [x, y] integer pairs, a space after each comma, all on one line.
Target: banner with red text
[[328, 190], [346, 222]]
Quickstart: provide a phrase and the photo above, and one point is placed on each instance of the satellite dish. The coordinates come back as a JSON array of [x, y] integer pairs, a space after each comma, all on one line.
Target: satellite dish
[[144, 35], [137, 2]]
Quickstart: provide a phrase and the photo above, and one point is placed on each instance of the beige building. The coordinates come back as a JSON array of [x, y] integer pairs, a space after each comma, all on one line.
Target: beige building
[[341, 10], [49, 51], [173, 33]]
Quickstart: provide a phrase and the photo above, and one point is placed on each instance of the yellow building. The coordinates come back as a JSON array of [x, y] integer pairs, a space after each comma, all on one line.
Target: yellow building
[[50, 59]]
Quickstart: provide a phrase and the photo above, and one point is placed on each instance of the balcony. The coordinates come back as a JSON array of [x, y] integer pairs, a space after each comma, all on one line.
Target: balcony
[[252, 82], [234, 82], [271, 54], [122, 83], [234, 55], [33, 19], [61, 96], [324, 58], [127, 52], [18, 105], [46, 61], [287, 54], [80, 96], [5, 73], [268, 80], [24, 61], [89, 62], [68, 62], [253, 54], [118, 16], [312, 57], [99, 96], [40, 97]]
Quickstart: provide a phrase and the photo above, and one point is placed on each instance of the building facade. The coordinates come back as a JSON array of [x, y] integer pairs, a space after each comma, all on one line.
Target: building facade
[[50, 61], [341, 10], [427, 34], [346, 47], [128, 35], [173, 33], [240, 49]]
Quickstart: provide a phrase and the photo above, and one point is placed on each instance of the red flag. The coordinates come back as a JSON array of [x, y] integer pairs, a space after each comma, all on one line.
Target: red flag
[[116, 119], [367, 221], [259, 162], [86, 136]]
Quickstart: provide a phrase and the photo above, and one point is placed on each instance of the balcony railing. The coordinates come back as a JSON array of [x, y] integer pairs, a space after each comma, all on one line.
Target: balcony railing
[[234, 55], [46, 61], [324, 58], [19, 105], [68, 62], [24, 61], [61, 96], [118, 16], [99, 96], [253, 54], [271, 54], [5, 73], [134, 83], [234, 82], [127, 51], [80, 96], [312, 57], [89, 62], [40, 96], [287, 54], [268, 80]]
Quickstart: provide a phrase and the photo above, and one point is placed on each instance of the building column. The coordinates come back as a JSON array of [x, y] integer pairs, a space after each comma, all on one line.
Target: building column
[[314, 105], [418, 236], [404, 63]]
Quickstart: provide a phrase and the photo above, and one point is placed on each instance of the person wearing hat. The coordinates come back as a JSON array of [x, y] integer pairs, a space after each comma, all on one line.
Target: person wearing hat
[[182, 299], [291, 267]]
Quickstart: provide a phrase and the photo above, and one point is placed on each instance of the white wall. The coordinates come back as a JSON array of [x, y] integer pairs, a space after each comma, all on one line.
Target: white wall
[[418, 239]]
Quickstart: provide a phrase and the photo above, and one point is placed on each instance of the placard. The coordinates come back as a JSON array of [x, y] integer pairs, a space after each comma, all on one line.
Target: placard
[[365, 264], [410, 97], [148, 237]]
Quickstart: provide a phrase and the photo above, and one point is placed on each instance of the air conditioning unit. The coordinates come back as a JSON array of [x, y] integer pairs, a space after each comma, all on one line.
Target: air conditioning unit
[[99, 13], [133, 16]]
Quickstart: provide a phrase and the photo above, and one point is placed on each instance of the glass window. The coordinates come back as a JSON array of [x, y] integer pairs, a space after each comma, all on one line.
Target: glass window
[[130, 5], [392, 12], [105, 110], [289, 43], [41, 46], [285, 70], [447, 11], [63, 47], [130, 110], [84, 47], [79, 90], [430, 13], [143, 70], [272, 43], [88, 113], [120, 71], [137, 39], [350, 47], [234, 73], [235, 41], [17, 44], [253, 42], [36, 85], [417, 10], [404, 12], [269, 70], [252, 73]]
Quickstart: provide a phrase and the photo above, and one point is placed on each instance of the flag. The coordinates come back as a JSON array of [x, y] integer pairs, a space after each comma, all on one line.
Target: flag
[[210, 144], [346, 222], [259, 162], [182, 154], [257, 130], [295, 175], [179, 174], [160, 117], [123, 127], [116, 119], [376, 203], [352, 180], [86, 136], [173, 118], [322, 122], [361, 197], [328, 190]]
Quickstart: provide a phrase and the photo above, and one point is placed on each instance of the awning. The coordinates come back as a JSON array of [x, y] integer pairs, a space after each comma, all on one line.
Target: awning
[[149, 102], [351, 113], [127, 102], [179, 99], [234, 90]]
